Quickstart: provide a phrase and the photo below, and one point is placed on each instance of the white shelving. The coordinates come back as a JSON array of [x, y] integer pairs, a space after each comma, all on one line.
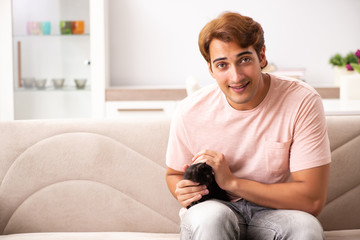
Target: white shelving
[[53, 56]]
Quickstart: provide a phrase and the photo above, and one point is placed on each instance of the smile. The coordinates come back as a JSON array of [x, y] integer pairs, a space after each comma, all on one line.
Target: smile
[[239, 89]]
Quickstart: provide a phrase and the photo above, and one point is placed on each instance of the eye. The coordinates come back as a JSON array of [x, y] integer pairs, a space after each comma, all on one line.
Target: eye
[[245, 60], [221, 65]]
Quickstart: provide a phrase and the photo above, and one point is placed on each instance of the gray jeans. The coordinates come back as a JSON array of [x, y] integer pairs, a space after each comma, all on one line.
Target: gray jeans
[[213, 219]]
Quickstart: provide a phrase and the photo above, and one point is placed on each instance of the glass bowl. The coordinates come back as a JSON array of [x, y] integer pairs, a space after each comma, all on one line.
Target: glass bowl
[[58, 82], [40, 83], [80, 83]]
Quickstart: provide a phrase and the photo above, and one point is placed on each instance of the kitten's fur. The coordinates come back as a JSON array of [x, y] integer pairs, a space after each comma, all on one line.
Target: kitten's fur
[[202, 173]]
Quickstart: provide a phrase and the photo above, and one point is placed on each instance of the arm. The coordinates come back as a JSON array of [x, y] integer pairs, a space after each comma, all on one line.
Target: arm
[[307, 191], [185, 191]]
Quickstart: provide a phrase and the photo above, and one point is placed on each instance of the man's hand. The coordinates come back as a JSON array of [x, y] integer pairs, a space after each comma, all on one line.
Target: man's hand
[[185, 191], [216, 160]]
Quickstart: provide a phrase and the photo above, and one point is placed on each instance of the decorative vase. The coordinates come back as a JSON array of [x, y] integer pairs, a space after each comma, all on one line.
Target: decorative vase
[[350, 86], [339, 72]]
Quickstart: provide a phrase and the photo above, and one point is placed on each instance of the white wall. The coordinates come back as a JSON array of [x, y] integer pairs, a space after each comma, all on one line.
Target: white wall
[[155, 42]]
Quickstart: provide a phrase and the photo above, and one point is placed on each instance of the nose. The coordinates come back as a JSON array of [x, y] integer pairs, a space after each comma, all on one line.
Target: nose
[[235, 74]]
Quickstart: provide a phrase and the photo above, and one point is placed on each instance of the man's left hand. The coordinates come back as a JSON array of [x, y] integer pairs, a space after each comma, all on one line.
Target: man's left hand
[[216, 160]]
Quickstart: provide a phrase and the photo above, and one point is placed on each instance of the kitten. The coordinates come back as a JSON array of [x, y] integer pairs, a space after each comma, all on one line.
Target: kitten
[[203, 174]]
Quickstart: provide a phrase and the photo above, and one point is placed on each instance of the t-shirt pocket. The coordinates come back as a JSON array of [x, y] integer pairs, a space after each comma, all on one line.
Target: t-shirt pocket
[[277, 157]]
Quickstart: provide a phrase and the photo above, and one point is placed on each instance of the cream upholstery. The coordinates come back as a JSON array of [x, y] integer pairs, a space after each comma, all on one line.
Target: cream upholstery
[[342, 210], [104, 179]]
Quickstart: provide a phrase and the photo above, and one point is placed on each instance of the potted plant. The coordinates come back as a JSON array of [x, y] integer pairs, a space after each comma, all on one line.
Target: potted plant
[[347, 74], [345, 65]]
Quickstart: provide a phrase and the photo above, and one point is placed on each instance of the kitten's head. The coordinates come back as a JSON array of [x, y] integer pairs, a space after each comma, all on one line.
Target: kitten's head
[[200, 173]]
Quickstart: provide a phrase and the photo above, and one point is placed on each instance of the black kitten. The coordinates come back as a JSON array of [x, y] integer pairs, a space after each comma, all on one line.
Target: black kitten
[[203, 174]]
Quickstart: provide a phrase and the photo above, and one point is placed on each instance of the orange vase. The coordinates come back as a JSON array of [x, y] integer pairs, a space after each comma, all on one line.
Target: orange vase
[[77, 27]]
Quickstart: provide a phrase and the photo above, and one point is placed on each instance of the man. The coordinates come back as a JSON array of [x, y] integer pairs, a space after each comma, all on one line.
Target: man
[[264, 137]]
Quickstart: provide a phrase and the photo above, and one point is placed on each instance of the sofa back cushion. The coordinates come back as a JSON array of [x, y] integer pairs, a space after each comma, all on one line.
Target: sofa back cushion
[[59, 175], [342, 209]]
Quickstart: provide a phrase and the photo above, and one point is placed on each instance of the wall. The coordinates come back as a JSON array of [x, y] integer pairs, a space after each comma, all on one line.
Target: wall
[[155, 42]]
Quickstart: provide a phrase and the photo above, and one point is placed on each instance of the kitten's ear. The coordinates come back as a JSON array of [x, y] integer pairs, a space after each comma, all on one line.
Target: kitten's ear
[[186, 166]]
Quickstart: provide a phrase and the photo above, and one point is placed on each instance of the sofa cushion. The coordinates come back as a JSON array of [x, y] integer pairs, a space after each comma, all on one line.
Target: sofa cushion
[[85, 176], [352, 234], [342, 209], [91, 236], [329, 235]]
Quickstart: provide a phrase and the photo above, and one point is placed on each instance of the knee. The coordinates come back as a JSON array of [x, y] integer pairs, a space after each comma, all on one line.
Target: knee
[[306, 226], [210, 218]]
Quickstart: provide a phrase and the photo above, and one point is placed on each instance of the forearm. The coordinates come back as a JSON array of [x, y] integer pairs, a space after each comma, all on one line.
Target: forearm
[[172, 179], [306, 195], [279, 196]]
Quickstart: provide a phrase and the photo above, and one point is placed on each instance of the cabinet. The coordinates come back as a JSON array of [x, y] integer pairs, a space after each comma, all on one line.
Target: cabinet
[[140, 109], [43, 56], [130, 102]]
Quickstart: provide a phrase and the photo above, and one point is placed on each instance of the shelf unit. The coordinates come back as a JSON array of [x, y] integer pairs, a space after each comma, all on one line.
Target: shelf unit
[[60, 101]]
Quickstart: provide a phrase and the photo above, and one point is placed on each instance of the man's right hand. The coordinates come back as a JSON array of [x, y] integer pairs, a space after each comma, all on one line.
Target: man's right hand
[[188, 191], [185, 191]]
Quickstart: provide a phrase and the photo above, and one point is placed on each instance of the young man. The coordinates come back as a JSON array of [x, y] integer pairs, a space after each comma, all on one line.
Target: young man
[[264, 136]]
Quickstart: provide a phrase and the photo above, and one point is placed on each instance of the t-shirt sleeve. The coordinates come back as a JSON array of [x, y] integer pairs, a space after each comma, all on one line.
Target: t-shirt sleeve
[[179, 150], [310, 147]]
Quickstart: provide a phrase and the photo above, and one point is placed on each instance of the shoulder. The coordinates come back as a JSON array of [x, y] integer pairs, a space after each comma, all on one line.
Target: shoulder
[[292, 86], [293, 93], [293, 97]]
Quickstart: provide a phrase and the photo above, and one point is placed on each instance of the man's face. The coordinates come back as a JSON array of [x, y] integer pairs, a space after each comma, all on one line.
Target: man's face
[[238, 73]]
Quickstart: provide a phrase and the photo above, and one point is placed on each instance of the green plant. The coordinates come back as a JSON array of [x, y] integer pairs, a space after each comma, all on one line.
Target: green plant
[[337, 60], [351, 61]]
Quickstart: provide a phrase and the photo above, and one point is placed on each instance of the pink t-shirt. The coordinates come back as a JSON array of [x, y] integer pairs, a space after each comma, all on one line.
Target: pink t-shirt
[[285, 133]]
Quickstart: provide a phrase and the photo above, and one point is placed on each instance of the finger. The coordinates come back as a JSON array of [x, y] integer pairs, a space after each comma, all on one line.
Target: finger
[[200, 160], [190, 190], [186, 183], [204, 159], [204, 153], [186, 200]]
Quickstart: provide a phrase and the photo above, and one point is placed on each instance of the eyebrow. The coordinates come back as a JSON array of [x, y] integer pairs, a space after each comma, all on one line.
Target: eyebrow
[[239, 55]]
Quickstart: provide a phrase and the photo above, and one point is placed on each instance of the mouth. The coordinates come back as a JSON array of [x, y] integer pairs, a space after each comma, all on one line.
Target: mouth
[[240, 88]]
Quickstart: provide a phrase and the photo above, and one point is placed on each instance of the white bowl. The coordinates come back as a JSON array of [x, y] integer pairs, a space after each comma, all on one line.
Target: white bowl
[[28, 82], [80, 83], [40, 83], [58, 82]]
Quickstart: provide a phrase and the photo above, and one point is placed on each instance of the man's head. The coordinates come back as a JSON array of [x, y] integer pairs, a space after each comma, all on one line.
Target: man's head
[[233, 46], [232, 27]]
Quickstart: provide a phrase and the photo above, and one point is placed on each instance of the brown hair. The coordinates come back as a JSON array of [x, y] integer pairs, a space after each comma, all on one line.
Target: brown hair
[[230, 27]]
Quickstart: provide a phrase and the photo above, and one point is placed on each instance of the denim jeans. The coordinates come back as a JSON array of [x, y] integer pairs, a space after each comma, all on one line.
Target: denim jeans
[[214, 219]]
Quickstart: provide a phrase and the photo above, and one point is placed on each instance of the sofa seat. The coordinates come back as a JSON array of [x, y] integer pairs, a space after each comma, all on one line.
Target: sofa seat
[[329, 235], [92, 236], [352, 234]]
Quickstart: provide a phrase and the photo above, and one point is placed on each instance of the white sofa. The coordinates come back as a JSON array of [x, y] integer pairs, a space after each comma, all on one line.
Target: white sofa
[[105, 179]]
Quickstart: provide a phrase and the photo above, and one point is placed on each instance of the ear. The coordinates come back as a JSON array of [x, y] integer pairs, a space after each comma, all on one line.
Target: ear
[[263, 61]]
